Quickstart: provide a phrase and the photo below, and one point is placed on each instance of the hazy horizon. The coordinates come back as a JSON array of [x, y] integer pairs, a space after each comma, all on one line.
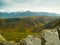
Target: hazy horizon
[[52, 6]]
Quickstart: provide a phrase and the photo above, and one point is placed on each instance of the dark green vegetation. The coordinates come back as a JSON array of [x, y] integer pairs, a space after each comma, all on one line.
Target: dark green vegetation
[[18, 28]]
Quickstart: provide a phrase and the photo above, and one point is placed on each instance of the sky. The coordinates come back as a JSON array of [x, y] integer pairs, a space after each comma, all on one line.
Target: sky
[[52, 6]]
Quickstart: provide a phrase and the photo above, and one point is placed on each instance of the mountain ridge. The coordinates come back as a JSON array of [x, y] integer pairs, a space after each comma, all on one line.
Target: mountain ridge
[[25, 14]]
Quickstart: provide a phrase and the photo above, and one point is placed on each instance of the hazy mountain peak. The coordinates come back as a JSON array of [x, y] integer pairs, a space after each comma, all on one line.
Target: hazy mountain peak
[[25, 13]]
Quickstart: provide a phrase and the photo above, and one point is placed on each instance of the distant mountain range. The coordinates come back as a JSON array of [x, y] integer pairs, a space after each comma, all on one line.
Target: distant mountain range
[[25, 13]]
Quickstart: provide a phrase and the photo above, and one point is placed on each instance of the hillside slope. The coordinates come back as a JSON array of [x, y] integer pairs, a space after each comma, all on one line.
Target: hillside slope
[[18, 28], [24, 24]]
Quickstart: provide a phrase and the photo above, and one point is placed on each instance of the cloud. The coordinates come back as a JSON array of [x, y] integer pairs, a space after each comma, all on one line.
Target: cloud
[[2, 3], [25, 1], [36, 5], [51, 3]]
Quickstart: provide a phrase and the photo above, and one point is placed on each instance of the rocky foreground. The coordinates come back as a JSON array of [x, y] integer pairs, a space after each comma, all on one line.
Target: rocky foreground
[[46, 37]]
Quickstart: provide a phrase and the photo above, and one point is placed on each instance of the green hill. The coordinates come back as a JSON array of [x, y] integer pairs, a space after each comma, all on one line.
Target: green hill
[[18, 28]]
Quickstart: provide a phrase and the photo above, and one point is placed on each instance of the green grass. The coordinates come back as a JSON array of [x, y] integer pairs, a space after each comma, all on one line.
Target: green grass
[[15, 36]]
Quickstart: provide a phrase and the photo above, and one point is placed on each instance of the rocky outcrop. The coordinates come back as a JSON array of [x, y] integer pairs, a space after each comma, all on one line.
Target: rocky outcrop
[[31, 40], [2, 38], [46, 37], [51, 37]]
